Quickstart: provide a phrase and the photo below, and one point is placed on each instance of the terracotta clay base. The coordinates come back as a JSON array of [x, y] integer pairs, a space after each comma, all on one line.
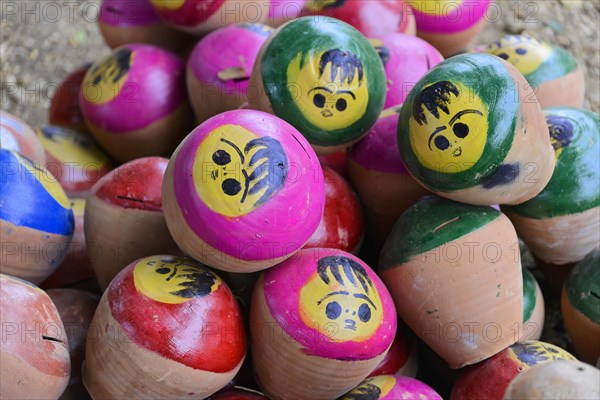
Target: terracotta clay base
[[116, 236], [584, 332], [117, 368], [157, 139], [30, 254], [568, 90], [284, 371]]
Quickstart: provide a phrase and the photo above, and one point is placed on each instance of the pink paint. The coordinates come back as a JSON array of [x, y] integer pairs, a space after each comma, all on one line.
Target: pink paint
[[454, 16], [153, 88], [234, 46], [276, 228], [128, 13], [136, 184], [282, 285], [285, 10], [410, 389], [193, 12], [409, 60], [378, 151]]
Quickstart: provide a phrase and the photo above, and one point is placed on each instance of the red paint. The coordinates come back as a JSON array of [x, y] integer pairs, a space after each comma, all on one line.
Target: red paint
[[342, 225], [371, 18], [487, 379], [205, 333], [136, 184], [237, 394], [193, 12], [338, 161], [64, 105], [28, 315], [398, 355]]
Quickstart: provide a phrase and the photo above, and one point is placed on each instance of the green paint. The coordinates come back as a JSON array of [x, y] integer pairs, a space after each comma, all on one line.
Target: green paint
[[430, 223], [583, 286], [559, 64], [529, 294], [487, 77], [574, 186], [309, 36]]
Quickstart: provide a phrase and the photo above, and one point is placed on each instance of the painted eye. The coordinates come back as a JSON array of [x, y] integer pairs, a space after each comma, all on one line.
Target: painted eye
[[319, 100], [221, 157], [163, 270], [520, 51], [231, 187], [364, 312], [333, 310], [441, 142], [460, 130], [341, 105], [503, 56]]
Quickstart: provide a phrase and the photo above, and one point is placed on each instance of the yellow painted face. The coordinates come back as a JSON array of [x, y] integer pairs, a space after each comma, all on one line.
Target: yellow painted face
[[341, 301], [236, 171], [532, 352], [449, 127], [68, 146], [525, 53], [435, 7], [168, 4], [373, 388], [329, 88], [48, 181], [173, 280], [106, 78]]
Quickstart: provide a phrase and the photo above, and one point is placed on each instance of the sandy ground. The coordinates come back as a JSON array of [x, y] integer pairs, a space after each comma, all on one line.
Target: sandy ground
[[42, 41]]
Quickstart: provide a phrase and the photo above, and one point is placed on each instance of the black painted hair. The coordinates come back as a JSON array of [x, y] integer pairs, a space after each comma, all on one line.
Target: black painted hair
[[561, 130], [434, 97], [269, 156], [366, 391], [344, 62], [384, 54], [122, 57], [198, 282], [349, 267]]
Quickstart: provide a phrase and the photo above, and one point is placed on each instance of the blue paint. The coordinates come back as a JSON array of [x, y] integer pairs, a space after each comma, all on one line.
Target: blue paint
[[24, 201], [505, 174]]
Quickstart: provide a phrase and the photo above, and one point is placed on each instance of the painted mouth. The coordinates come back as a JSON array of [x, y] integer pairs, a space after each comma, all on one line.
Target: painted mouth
[[350, 324], [326, 113], [457, 152]]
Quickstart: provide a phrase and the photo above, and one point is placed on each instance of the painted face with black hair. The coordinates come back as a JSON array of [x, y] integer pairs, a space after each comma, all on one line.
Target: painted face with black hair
[[106, 78], [330, 88], [523, 52], [341, 300], [236, 171], [448, 128]]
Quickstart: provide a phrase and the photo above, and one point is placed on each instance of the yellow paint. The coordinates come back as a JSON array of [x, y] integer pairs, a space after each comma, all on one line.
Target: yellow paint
[[468, 113], [536, 350], [390, 111], [78, 206], [385, 383], [222, 174], [162, 278], [69, 146], [168, 4], [316, 5], [49, 182], [317, 297], [524, 52], [435, 7], [105, 79], [328, 104]]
